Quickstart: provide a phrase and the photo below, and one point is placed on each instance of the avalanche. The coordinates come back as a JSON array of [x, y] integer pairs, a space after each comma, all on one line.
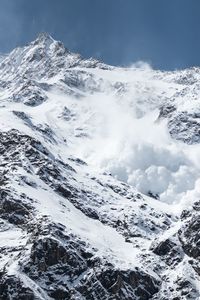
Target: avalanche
[[99, 178]]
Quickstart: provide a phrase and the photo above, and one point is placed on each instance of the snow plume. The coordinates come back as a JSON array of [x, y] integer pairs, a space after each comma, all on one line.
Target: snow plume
[[142, 65], [137, 148]]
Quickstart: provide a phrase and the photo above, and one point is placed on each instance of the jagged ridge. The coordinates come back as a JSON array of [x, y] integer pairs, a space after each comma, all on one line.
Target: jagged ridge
[[69, 231]]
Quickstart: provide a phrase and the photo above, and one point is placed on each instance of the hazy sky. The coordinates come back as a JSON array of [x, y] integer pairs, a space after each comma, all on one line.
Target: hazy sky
[[165, 33]]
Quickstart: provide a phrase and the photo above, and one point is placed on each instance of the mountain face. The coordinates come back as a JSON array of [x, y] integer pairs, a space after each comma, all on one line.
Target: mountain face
[[99, 178]]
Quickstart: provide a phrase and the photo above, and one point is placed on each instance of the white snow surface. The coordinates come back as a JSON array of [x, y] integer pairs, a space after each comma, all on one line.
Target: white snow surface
[[113, 125], [119, 133]]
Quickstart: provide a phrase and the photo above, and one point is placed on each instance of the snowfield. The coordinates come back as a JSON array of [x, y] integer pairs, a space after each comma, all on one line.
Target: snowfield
[[99, 178]]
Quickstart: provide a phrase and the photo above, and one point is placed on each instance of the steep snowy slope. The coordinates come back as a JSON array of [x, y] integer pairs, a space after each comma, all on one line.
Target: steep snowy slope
[[99, 178]]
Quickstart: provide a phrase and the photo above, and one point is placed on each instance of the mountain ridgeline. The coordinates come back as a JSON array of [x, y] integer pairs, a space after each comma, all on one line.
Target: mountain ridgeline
[[99, 178]]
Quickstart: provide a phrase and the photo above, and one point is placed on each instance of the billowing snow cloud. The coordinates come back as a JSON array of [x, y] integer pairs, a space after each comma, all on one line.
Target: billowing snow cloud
[[127, 140]]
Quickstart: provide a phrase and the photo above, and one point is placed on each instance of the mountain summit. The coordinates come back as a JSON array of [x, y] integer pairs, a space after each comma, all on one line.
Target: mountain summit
[[99, 178], [44, 37]]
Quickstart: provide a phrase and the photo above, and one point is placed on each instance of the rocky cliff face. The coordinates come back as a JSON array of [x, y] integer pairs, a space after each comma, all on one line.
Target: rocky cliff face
[[95, 202]]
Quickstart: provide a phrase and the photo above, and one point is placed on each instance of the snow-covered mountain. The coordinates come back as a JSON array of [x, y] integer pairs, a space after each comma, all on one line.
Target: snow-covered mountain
[[99, 178]]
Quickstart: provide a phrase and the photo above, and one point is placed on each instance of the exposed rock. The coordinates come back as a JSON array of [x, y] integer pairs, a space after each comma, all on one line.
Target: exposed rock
[[12, 288], [69, 231], [189, 236]]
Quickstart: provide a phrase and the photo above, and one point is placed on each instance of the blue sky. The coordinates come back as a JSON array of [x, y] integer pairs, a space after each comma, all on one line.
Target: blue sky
[[165, 33]]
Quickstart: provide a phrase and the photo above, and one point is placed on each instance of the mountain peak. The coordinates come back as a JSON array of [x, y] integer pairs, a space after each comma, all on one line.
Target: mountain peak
[[124, 224], [44, 37]]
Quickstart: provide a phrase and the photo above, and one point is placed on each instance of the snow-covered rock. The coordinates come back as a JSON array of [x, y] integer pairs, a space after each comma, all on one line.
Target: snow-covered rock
[[99, 178]]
